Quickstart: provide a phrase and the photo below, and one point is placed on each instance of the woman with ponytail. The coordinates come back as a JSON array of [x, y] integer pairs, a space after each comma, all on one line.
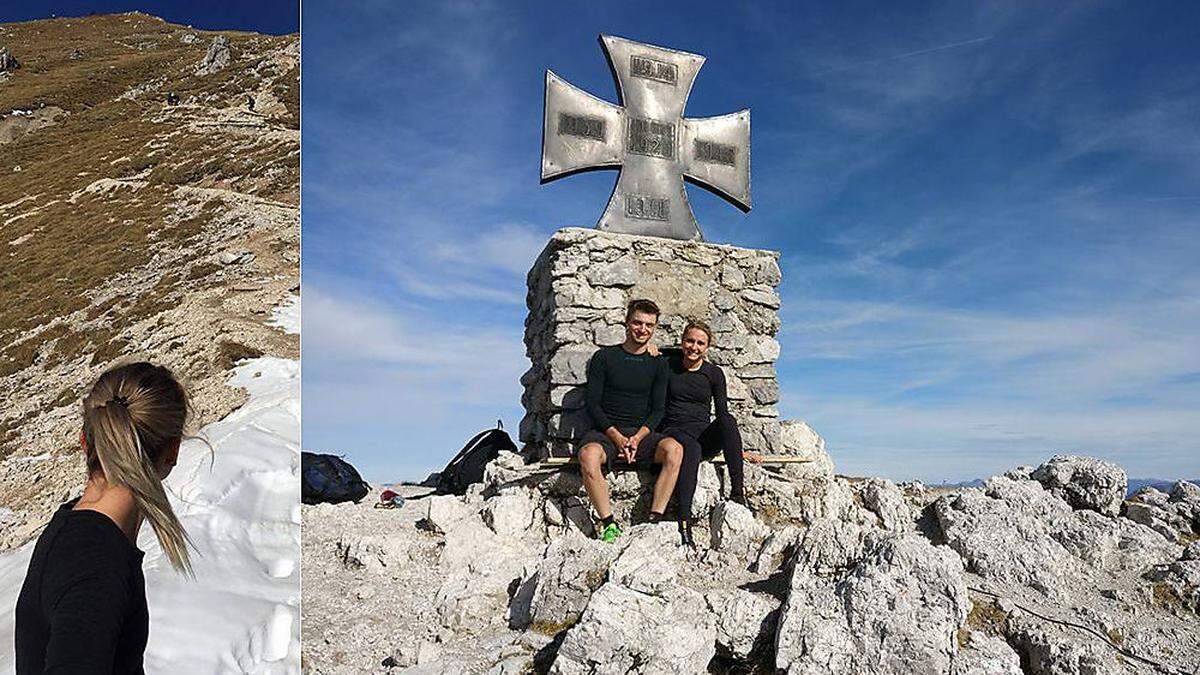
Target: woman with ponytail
[[82, 608]]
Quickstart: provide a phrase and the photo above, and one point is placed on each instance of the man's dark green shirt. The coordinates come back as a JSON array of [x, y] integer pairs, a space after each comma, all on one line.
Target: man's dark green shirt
[[626, 390]]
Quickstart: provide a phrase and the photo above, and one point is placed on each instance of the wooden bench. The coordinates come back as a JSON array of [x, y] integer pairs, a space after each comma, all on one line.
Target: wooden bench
[[559, 462]]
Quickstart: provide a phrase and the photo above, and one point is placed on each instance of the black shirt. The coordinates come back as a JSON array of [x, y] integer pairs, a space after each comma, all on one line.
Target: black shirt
[[82, 608], [625, 390], [692, 393]]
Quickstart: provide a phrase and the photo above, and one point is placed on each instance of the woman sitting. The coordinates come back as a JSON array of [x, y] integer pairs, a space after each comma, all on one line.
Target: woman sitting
[[694, 388]]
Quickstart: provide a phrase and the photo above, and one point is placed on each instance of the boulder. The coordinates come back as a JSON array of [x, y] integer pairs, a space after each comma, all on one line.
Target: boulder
[[734, 530], [884, 499], [898, 610], [571, 569], [509, 514], [1084, 482], [1003, 533], [649, 559], [1050, 650], [626, 631], [374, 553], [745, 622]]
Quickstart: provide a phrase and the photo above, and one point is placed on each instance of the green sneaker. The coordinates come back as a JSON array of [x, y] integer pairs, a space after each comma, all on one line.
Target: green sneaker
[[610, 533]]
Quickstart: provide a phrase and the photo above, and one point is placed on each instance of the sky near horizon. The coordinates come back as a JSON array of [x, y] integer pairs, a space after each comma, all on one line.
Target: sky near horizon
[[987, 214]]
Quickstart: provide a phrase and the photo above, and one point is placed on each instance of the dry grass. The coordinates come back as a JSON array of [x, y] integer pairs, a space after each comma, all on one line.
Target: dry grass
[[73, 248], [83, 270]]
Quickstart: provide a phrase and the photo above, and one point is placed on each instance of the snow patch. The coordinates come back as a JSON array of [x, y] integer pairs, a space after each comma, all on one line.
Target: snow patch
[[287, 315]]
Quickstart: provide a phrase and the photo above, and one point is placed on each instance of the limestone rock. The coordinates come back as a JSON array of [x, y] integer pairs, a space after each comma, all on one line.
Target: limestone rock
[[896, 611], [986, 655], [440, 513], [649, 559], [1049, 650], [884, 499], [1084, 482], [373, 553], [1004, 534], [509, 514], [745, 622], [625, 631], [572, 568], [217, 57], [735, 530]]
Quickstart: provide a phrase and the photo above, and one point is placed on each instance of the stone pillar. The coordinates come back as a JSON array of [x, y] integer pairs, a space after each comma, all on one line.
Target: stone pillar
[[578, 290]]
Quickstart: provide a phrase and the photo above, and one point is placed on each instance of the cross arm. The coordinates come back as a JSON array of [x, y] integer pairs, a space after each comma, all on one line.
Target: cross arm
[[579, 131], [715, 152]]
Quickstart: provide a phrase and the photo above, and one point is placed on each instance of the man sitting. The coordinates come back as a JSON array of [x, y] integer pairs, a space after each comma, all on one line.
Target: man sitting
[[626, 397]]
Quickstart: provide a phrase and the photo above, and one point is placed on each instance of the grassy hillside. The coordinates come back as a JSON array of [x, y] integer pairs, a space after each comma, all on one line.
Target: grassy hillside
[[132, 226]]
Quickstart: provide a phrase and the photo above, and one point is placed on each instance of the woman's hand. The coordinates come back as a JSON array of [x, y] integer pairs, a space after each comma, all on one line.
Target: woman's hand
[[652, 349], [752, 457]]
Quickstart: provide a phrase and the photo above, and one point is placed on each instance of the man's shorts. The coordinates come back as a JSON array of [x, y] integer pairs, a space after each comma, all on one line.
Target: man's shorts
[[645, 448]]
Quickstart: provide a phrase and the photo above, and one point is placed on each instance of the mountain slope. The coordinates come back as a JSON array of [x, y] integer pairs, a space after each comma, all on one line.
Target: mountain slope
[[149, 208]]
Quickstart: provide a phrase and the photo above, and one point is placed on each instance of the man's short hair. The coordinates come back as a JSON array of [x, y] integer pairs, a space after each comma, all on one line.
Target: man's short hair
[[641, 305]]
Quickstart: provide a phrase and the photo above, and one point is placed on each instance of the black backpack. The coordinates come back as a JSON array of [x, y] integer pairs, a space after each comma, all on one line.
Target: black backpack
[[467, 466], [329, 478]]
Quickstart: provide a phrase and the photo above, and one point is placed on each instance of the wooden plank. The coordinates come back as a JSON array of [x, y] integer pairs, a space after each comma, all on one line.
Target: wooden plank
[[767, 459]]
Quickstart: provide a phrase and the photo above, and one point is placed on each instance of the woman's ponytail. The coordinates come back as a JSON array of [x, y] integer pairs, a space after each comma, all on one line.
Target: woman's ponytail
[[132, 416]]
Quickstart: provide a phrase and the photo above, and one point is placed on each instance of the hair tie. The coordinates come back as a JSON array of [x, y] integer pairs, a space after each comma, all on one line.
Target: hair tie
[[121, 400]]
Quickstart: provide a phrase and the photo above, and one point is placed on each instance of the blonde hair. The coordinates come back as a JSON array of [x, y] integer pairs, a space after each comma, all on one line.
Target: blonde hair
[[132, 415]]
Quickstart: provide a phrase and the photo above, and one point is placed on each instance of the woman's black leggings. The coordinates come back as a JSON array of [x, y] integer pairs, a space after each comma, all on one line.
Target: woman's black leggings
[[702, 440]]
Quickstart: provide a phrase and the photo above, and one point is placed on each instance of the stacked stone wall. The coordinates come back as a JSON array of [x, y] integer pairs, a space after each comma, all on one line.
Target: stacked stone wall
[[577, 293]]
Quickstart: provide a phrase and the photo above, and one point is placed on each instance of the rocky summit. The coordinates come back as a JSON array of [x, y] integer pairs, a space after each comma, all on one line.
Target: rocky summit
[[149, 193], [1045, 570]]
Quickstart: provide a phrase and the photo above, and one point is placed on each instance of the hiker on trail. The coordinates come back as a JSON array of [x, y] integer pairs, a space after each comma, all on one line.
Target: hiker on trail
[[82, 607], [694, 388], [626, 395]]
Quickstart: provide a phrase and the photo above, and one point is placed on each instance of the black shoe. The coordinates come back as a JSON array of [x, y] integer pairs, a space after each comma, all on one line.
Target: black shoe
[[685, 533]]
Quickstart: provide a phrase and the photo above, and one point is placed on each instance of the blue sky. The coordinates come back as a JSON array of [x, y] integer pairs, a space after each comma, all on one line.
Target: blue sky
[[988, 213], [263, 16]]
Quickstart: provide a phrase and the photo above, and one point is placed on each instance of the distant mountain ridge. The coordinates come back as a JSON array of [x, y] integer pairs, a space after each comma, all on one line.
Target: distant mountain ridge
[[1135, 484]]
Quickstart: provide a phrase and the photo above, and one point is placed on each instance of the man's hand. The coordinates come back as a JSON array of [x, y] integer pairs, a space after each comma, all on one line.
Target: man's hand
[[752, 457], [628, 454], [617, 438]]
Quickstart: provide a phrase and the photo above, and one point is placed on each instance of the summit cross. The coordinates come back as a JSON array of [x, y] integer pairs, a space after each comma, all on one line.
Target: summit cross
[[648, 139]]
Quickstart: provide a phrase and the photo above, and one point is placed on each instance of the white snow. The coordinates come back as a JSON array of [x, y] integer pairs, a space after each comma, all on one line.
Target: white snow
[[242, 611], [287, 315]]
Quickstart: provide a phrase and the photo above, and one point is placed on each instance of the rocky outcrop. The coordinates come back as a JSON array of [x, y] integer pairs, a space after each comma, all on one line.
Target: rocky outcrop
[[852, 575], [578, 290], [216, 58], [896, 610], [1175, 515], [1084, 482]]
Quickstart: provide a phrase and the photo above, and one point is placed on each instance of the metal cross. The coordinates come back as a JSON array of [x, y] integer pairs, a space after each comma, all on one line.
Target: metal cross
[[648, 139]]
